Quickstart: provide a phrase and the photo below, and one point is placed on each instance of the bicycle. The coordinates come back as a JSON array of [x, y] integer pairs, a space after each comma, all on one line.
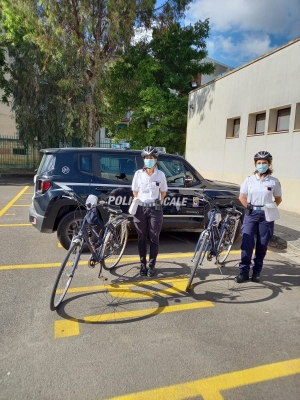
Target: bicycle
[[217, 239], [106, 250]]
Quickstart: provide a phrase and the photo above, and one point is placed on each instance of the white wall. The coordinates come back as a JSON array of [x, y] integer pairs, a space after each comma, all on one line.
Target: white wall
[[271, 81]]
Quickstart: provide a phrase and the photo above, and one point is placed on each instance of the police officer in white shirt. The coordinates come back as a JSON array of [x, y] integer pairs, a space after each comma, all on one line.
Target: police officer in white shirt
[[150, 186], [256, 191]]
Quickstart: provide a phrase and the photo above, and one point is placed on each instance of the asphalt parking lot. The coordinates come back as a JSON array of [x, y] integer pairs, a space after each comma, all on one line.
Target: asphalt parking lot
[[129, 338]]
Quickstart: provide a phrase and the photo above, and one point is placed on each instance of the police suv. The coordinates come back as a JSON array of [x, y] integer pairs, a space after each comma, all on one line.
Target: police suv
[[108, 173]]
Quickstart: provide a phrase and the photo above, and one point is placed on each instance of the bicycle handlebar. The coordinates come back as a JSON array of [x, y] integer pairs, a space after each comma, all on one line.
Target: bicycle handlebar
[[111, 209], [231, 205]]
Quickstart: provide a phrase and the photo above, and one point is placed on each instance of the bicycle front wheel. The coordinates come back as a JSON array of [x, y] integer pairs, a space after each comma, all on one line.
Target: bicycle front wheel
[[112, 251], [65, 275], [198, 257], [227, 239]]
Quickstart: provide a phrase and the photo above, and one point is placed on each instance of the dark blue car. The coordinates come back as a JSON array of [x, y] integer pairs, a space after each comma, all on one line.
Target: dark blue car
[[108, 173]]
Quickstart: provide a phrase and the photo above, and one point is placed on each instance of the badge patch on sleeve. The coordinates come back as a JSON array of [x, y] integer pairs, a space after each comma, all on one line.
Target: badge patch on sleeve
[[195, 201]]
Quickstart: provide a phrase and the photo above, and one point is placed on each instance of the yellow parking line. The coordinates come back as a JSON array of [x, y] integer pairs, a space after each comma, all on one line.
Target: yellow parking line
[[20, 205], [3, 225], [210, 388], [180, 281], [123, 260], [67, 328], [3, 211], [152, 311]]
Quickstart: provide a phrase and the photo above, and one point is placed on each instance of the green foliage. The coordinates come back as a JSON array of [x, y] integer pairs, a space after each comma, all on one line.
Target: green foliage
[[59, 52], [152, 79]]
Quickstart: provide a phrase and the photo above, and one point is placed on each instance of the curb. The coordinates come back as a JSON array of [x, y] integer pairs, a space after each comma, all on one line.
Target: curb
[[282, 244], [16, 176]]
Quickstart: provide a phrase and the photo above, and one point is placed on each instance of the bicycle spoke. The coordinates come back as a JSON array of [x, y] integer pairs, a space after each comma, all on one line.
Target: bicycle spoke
[[114, 246]]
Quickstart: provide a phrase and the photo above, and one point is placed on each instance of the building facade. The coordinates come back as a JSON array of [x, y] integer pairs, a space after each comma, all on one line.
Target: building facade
[[7, 120], [252, 108], [220, 69]]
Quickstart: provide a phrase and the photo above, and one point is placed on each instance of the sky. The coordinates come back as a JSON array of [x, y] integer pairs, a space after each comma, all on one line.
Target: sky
[[242, 30]]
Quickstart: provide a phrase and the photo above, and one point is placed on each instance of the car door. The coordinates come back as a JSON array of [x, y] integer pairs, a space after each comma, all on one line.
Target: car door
[[183, 209], [113, 174]]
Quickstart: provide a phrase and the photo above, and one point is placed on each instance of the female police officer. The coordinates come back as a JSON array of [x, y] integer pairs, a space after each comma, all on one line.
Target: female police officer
[[256, 191], [150, 186]]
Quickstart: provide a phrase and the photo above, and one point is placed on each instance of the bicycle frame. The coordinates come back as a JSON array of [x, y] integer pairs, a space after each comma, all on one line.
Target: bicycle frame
[[83, 236], [218, 232], [213, 231]]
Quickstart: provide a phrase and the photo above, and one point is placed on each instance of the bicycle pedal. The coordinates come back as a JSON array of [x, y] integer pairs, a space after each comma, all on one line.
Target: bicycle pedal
[[92, 262], [209, 257], [102, 278]]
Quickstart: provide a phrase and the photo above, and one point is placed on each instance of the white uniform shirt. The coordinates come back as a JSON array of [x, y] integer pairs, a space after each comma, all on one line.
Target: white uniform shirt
[[260, 191], [149, 187]]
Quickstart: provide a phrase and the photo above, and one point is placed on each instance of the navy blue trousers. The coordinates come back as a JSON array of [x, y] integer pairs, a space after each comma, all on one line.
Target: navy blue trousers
[[255, 224], [148, 222]]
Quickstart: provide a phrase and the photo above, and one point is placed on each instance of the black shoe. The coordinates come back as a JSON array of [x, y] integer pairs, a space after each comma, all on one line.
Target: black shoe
[[255, 278], [241, 278], [151, 272], [143, 270]]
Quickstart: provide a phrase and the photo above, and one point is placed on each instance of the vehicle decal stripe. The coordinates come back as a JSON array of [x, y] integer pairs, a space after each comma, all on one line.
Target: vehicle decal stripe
[[184, 215], [129, 186]]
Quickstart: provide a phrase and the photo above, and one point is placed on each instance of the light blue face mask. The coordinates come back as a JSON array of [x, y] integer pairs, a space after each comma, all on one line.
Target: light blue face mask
[[262, 168], [149, 162]]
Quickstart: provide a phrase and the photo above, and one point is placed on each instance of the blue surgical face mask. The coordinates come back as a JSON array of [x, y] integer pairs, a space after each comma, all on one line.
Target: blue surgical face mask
[[149, 162], [262, 168]]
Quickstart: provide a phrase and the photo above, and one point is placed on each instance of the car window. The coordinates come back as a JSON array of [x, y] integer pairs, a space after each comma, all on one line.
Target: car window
[[47, 163], [85, 163], [174, 170], [117, 167]]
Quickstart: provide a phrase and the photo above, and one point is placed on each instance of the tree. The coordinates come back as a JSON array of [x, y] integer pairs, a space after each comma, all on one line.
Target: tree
[[59, 53], [152, 79]]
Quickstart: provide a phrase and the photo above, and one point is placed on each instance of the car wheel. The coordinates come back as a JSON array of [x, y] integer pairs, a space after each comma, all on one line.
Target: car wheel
[[68, 227]]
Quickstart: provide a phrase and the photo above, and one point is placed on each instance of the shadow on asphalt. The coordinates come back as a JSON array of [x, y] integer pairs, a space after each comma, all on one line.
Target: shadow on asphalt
[[278, 276]]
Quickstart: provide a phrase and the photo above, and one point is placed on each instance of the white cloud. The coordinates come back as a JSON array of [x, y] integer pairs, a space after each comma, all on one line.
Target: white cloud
[[269, 16], [249, 46], [241, 30]]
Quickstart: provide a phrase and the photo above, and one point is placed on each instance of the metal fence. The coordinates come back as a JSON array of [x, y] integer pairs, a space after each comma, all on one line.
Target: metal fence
[[17, 155]]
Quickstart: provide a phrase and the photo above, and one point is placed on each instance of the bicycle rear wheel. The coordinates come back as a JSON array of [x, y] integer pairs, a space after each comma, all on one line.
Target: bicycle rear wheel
[[65, 275], [227, 239], [111, 251], [198, 257]]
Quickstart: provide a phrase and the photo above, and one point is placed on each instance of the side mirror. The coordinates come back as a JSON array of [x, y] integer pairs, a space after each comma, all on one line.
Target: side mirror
[[188, 180]]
